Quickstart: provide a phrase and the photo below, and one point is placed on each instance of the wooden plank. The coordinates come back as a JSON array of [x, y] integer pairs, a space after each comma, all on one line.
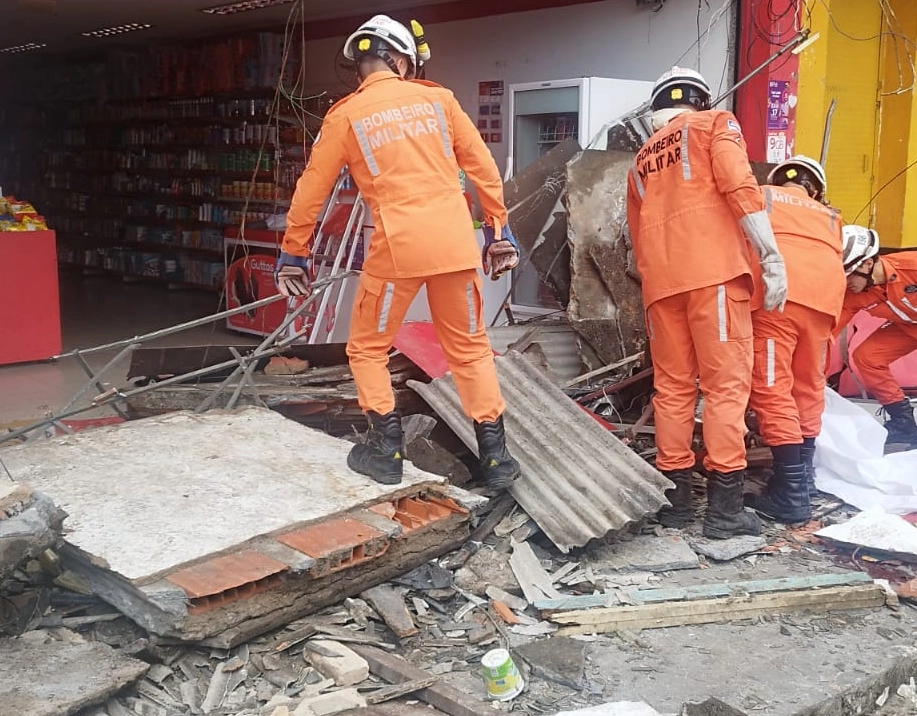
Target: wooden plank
[[705, 611], [396, 670], [393, 692], [390, 605], [604, 369], [707, 591]]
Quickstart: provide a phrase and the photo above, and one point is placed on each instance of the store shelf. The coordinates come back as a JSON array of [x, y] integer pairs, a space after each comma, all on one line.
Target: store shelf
[[130, 277]]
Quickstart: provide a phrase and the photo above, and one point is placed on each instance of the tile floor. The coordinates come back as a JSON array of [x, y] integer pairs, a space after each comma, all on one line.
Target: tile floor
[[96, 310]]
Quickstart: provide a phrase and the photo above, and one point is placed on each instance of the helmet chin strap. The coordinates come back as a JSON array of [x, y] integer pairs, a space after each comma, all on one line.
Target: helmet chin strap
[[868, 276]]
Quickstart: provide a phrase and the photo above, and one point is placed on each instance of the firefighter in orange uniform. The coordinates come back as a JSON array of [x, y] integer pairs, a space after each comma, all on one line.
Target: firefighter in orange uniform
[[886, 287], [788, 382], [404, 141], [693, 208]]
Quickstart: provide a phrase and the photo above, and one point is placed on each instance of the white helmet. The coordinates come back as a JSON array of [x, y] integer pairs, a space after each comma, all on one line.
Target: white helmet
[[860, 244], [789, 170], [681, 85], [380, 34]]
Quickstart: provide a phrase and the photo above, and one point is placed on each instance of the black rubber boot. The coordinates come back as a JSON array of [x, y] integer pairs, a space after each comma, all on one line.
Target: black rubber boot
[[726, 515], [381, 454], [500, 469], [681, 512], [807, 453], [900, 424], [787, 496]]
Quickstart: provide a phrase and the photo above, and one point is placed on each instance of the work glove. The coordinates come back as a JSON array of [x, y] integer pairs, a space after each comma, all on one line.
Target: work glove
[[292, 275], [760, 235], [499, 255]]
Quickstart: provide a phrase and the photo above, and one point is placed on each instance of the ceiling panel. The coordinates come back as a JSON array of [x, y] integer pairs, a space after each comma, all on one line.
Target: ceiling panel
[[171, 19]]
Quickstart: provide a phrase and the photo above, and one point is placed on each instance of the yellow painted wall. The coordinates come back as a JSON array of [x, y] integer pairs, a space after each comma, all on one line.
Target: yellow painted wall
[[838, 67], [893, 210], [859, 61]]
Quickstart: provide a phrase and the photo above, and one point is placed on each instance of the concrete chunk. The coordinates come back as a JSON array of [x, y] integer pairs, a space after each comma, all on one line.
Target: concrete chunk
[[333, 702], [336, 661]]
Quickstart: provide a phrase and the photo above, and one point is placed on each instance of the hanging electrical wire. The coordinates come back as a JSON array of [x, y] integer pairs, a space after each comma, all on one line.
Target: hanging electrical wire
[[880, 190]]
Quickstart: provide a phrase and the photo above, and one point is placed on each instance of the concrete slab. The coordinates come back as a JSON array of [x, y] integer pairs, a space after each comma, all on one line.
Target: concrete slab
[[644, 553], [143, 495], [30, 523], [195, 524], [559, 659], [56, 675]]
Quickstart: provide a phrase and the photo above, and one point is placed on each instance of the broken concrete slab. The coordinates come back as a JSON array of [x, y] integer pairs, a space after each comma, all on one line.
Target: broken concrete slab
[[644, 553], [559, 659], [30, 523], [723, 550], [606, 304], [195, 524], [59, 673], [710, 707]]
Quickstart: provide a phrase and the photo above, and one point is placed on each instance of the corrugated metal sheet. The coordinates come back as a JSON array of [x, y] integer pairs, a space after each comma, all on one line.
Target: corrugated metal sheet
[[558, 342], [579, 482]]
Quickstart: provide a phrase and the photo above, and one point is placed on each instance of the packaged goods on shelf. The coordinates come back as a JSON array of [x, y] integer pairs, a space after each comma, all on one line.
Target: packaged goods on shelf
[[18, 215]]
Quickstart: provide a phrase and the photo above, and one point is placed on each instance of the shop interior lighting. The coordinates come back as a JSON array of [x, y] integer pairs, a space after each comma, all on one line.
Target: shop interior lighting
[[243, 6], [117, 29], [24, 48]]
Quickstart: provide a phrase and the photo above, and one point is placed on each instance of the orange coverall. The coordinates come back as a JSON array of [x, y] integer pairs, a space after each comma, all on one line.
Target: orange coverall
[[788, 382], [404, 142], [689, 186], [895, 301]]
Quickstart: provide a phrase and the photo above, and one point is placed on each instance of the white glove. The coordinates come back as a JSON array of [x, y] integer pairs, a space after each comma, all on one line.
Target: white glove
[[292, 281], [760, 235]]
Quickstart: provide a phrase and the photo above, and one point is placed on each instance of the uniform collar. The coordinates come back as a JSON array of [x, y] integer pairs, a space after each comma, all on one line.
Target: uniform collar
[[890, 275], [377, 77], [800, 190]]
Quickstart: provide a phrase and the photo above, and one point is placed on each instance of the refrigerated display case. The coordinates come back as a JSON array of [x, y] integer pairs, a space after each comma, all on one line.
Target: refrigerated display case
[[542, 114]]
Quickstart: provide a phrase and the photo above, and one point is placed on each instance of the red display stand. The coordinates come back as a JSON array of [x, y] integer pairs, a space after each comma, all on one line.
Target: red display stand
[[29, 297]]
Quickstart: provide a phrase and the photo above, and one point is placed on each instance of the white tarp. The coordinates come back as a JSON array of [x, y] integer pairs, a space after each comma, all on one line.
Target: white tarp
[[875, 529], [849, 462]]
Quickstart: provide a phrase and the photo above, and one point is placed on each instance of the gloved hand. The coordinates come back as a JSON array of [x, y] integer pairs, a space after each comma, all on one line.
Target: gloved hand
[[773, 273], [758, 229], [291, 275], [499, 256]]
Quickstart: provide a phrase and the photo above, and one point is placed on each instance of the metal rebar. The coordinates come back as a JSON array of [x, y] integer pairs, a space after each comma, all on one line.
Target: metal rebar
[[175, 329], [116, 394]]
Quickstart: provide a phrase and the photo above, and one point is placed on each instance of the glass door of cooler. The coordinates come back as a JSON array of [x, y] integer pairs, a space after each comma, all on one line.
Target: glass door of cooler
[[543, 115]]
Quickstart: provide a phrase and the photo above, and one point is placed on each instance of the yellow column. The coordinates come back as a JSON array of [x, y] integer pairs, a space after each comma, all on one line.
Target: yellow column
[[840, 66], [896, 185]]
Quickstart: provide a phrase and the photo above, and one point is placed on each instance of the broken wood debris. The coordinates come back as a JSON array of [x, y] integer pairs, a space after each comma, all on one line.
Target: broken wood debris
[[705, 611]]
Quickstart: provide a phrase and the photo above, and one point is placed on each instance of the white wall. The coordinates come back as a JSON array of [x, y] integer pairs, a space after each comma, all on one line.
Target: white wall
[[615, 38]]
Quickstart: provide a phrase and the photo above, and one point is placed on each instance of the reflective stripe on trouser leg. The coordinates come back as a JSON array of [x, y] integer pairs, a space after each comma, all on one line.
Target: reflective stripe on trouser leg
[[456, 307], [776, 337], [675, 381], [724, 368], [809, 370], [874, 356], [379, 307]]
